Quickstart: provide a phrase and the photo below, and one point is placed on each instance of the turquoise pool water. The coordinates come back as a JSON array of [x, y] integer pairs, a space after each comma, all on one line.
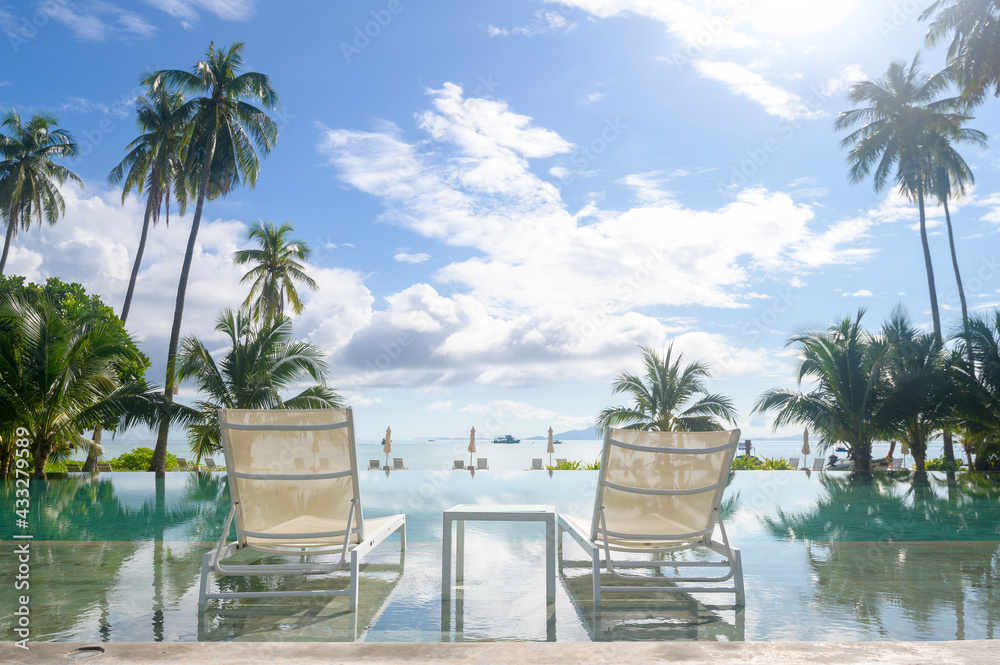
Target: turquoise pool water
[[117, 558]]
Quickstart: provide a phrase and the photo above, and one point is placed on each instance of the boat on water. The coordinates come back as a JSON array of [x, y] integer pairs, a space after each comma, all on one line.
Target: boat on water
[[506, 438]]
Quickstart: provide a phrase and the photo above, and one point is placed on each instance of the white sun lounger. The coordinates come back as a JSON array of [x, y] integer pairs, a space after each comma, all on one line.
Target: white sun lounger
[[458, 465], [536, 464], [481, 464], [818, 464], [793, 462], [673, 505], [286, 502]]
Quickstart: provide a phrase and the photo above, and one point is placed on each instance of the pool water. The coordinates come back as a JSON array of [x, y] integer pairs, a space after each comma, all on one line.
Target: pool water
[[117, 558]]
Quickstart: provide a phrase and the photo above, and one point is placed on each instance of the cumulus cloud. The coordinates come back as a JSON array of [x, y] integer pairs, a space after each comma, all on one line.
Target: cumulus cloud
[[188, 11], [544, 22], [545, 286], [96, 21]]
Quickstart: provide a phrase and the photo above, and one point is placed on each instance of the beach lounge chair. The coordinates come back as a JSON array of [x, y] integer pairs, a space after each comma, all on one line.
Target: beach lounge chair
[[210, 464], [104, 467], [459, 465], [818, 464], [182, 464], [481, 464], [536, 464], [560, 461], [897, 464], [281, 510], [72, 468], [374, 465], [397, 463], [673, 505], [793, 462]]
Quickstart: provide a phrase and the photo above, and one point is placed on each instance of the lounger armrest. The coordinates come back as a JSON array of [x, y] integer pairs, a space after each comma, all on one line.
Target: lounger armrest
[[376, 536], [579, 535]]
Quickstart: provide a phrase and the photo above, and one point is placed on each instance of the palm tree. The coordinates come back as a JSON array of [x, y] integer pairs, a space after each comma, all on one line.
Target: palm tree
[[848, 403], [260, 363], [903, 119], [60, 374], [980, 341], [28, 176], [154, 164], [974, 51], [948, 174], [224, 129], [275, 270], [921, 390], [660, 398]]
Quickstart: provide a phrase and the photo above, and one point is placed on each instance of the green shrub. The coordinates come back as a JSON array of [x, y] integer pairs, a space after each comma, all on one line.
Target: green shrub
[[942, 464], [139, 459], [744, 463], [775, 464], [567, 465], [594, 466]]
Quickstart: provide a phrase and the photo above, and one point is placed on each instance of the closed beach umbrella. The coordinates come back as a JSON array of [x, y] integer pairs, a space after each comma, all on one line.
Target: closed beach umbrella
[[906, 451], [387, 448], [472, 446], [805, 446], [551, 448]]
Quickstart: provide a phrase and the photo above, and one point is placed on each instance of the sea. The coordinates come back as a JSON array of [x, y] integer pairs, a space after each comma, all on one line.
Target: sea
[[437, 454]]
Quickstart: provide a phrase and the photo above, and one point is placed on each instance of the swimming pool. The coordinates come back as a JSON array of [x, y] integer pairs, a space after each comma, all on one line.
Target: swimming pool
[[117, 558]]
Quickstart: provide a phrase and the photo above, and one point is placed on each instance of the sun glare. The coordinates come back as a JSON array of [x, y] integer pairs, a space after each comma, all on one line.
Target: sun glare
[[799, 17]]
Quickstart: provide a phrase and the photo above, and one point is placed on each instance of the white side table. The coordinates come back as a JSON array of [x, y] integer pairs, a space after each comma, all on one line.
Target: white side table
[[500, 513]]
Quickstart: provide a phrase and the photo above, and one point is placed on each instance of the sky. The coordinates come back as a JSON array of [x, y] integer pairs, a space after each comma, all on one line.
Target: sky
[[504, 199]]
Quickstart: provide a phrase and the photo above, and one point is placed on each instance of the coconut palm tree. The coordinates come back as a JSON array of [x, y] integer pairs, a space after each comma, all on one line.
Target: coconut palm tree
[[974, 51], [28, 176], [260, 363], [224, 129], [661, 397], [902, 119], [153, 164], [848, 403], [60, 374], [921, 390], [275, 270], [980, 341]]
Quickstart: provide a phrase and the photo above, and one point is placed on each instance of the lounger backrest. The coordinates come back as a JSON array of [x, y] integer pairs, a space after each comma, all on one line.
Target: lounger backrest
[[481, 463], [662, 486], [459, 464], [285, 464]]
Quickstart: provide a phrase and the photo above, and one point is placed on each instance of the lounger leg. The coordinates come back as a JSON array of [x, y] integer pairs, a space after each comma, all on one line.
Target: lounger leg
[[353, 605], [203, 589], [402, 537], [559, 548], [596, 565], [738, 577]]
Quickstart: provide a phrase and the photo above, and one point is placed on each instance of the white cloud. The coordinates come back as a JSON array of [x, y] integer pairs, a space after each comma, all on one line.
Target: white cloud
[[188, 10], [546, 291], [774, 99], [440, 407], [861, 293], [587, 100], [96, 21], [403, 256], [544, 22], [843, 81]]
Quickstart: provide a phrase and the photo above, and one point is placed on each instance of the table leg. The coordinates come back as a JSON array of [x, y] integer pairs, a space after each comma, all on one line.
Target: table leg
[[460, 553], [446, 559]]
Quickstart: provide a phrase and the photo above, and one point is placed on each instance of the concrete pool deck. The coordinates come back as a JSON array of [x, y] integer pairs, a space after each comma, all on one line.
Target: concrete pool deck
[[971, 652]]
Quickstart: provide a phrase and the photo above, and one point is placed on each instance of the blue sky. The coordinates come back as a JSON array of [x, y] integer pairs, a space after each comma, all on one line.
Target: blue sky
[[505, 198]]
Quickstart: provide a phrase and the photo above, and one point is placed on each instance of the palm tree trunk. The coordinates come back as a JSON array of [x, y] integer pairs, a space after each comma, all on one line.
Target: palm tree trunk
[[138, 260], [954, 263], [159, 463], [6, 243], [91, 464], [935, 314]]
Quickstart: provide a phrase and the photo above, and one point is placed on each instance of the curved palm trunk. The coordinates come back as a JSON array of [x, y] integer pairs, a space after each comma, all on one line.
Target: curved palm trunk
[[935, 314], [90, 466], [138, 260], [954, 263], [159, 463], [6, 243]]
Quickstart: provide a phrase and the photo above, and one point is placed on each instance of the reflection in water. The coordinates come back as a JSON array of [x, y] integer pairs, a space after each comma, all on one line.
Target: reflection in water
[[648, 616], [875, 550]]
